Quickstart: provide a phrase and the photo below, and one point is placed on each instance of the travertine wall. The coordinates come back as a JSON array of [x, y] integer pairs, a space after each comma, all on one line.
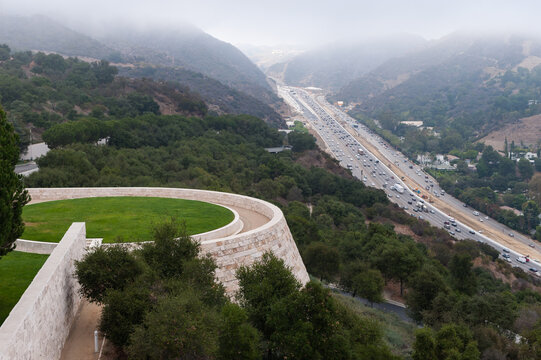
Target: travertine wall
[[39, 324], [230, 252]]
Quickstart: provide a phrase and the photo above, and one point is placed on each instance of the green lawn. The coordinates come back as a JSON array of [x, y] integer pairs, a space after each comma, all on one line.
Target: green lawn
[[17, 270], [131, 218]]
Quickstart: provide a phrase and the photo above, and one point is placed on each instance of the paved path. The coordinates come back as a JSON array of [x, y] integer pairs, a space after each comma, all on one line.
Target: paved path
[[80, 342], [250, 219]]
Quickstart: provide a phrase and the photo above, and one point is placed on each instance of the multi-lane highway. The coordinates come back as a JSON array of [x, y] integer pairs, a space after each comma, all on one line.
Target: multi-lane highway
[[377, 164]]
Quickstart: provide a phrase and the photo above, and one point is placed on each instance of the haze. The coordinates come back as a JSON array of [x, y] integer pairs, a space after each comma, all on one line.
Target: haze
[[304, 22]]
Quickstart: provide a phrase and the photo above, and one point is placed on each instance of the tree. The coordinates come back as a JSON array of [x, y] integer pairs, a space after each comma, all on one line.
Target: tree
[[424, 287], [261, 285], [4, 52], [172, 246], [531, 213], [369, 285], [525, 168], [301, 141], [424, 347], [537, 163], [461, 272], [398, 260], [123, 310], [535, 188], [456, 342], [322, 260], [106, 268], [306, 326], [238, 339], [178, 327], [13, 195]]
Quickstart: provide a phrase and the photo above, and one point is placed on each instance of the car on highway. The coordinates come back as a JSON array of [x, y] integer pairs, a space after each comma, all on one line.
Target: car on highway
[[505, 250], [521, 260], [511, 234], [471, 232]]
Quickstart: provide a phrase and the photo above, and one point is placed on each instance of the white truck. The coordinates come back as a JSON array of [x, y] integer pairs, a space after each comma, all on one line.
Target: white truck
[[360, 151], [399, 188]]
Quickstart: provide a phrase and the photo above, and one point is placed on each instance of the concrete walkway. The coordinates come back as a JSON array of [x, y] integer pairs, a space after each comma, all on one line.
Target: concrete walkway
[[80, 341], [251, 220]]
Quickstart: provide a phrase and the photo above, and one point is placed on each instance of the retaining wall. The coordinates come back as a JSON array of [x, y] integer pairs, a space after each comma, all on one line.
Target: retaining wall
[[39, 324], [231, 251]]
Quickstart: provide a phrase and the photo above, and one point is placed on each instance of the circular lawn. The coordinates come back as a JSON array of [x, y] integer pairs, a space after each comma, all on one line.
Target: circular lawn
[[120, 218]]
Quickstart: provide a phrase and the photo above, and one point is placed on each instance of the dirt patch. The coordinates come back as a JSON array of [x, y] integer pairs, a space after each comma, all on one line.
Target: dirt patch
[[526, 130], [31, 224], [392, 291], [312, 158]]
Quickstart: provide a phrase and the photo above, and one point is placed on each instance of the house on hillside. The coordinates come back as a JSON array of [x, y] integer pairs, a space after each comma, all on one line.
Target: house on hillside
[[523, 154]]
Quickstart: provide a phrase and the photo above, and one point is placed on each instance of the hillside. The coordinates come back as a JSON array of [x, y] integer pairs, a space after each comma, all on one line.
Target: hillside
[[525, 131], [38, 91], [44, 34], [192, 49], [333, 66], [219, 97], [472, 83], [184, 50]]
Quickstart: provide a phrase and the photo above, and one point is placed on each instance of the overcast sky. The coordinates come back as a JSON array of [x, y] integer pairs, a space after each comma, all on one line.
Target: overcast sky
[[302, 22]]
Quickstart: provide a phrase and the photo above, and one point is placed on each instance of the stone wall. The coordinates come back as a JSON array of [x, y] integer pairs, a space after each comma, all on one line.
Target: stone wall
[[35, 247], [231, 251], [38, 325]]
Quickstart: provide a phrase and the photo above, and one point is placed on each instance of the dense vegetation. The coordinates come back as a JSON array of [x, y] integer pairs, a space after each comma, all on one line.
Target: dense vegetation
[[175, 47], [165, 303], [219, 97], [187, 47], [349, 234], [497, 181], [39, 91], [463, 86]]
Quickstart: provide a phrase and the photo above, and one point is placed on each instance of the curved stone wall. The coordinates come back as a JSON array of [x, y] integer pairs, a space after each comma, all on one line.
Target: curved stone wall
[[230, 251]]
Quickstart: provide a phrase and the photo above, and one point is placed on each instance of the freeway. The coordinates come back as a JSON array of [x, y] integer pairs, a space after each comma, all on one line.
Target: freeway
[[377, 164]]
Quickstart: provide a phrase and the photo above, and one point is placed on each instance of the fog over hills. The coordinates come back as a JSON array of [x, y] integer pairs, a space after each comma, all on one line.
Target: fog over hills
[[223, 75], [41, 33], [190, 48], [334, 65], [481, 80], [475, 51]]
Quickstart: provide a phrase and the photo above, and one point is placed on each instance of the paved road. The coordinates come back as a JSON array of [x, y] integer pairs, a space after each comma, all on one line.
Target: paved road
[[377, 164], [26, 168]]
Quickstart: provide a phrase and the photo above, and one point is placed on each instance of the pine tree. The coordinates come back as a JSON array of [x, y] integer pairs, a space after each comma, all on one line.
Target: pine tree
[[13, 195]]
